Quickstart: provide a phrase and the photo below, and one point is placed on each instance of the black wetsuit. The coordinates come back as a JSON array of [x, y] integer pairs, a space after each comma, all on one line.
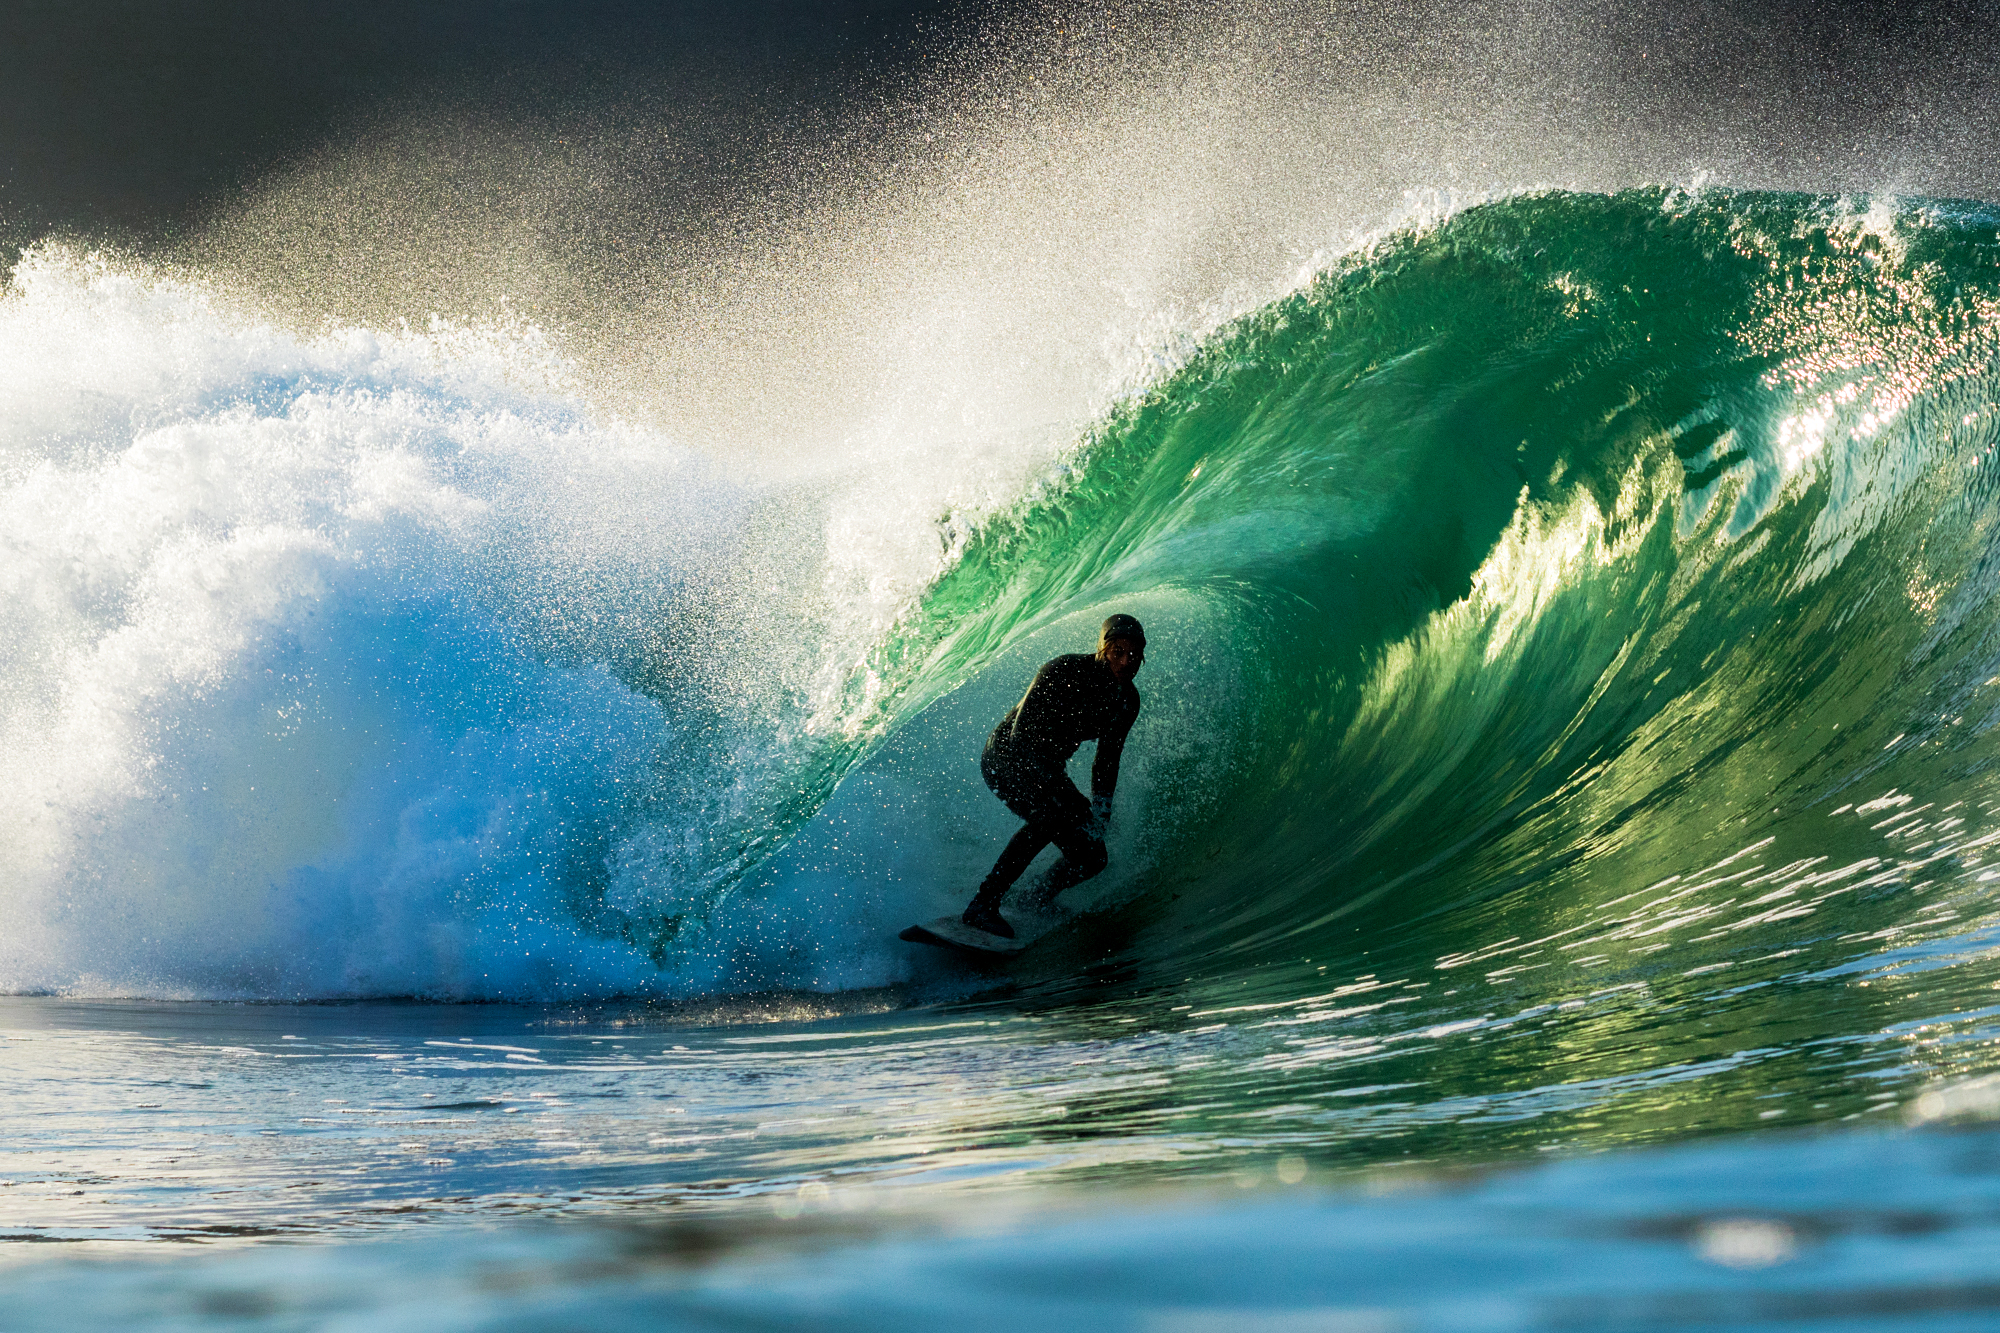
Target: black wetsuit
[[1074, 698]]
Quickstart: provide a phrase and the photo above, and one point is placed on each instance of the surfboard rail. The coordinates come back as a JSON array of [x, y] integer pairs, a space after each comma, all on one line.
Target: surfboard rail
[[948, 932]]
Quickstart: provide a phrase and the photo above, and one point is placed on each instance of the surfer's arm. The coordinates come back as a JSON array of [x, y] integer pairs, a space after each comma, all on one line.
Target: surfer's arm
[[1104, 768], [1110, 749]]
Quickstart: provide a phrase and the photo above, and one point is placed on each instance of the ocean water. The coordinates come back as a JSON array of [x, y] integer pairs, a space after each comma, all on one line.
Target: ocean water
[[458, 811]]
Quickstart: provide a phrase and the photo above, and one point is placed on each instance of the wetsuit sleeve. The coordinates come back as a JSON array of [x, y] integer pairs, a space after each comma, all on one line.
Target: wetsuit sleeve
[[1110, 749]]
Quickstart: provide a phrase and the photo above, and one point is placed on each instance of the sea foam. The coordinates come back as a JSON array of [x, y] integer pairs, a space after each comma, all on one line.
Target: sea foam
[[310, 683]]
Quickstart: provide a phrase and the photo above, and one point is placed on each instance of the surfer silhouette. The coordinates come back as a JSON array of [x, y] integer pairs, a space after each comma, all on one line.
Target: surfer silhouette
[[1073, 698]]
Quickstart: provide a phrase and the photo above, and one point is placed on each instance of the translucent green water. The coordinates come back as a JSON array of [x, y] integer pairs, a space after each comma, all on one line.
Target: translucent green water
[[1577, 626]]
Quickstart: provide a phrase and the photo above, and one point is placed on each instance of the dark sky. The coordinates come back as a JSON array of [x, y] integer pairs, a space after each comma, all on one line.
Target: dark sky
[[684, 193], [127, 115], [137, 118]]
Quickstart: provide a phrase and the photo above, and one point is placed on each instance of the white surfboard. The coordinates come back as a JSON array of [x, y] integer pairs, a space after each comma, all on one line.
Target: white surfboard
[[948, 932]]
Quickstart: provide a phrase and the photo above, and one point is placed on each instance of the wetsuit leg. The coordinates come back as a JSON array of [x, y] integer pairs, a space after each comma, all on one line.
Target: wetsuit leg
[[1054, 811], [1021, 849], [1082, 857]]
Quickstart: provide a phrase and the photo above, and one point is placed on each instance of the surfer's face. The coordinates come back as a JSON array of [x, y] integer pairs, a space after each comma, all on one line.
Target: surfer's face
[[1123, 657]]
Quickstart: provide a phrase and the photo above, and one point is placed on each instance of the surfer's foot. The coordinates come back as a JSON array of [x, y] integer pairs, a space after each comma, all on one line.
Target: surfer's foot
[[986, 917]]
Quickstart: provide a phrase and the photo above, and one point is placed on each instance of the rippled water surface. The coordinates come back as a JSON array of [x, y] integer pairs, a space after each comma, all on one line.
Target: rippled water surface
[[682, 1206]]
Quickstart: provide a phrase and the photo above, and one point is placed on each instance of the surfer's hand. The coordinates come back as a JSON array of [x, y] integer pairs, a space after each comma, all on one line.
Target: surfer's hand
[[1100, 815]]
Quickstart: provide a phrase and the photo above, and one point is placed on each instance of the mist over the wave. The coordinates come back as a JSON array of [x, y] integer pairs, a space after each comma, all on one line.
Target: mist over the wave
[[992, 236]]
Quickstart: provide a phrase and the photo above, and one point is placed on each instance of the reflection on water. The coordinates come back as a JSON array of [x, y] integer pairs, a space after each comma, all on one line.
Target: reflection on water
[[1856, 1231]]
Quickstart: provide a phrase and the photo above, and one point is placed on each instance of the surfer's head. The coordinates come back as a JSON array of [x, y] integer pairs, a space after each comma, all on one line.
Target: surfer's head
[[1121, 645]]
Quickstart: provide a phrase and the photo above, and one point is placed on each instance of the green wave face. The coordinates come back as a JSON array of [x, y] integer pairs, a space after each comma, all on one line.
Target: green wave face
[[1576, 546]]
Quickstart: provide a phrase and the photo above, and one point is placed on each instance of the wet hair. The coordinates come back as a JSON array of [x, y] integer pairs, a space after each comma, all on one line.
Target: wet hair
[[1120, 627]]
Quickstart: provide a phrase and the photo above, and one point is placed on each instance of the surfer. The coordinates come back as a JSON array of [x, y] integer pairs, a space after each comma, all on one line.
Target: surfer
[[1073, 698]]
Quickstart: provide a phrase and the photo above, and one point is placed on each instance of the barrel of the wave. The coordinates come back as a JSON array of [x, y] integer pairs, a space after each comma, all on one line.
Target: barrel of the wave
[[1539, 537]]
